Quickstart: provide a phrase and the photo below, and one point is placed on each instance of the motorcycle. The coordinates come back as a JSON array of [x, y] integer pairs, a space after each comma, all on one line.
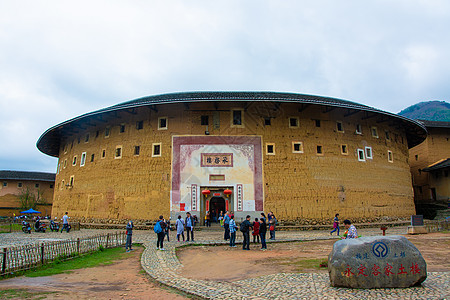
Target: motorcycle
[[26, 228], [39, 227], [54, 226]]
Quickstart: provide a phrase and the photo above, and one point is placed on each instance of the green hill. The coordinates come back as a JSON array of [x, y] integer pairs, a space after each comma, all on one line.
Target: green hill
[[429, 110]]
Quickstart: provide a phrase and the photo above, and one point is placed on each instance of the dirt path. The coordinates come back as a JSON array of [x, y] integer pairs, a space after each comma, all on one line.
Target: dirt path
[[223, 263], [121, 280]]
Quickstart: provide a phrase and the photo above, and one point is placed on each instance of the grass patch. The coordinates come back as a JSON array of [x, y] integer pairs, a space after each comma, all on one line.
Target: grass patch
[[7, 228], [304, 264], [23, 294]]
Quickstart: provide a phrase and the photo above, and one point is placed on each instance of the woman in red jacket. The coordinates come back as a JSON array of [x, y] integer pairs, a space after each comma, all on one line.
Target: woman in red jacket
[[255, 231]]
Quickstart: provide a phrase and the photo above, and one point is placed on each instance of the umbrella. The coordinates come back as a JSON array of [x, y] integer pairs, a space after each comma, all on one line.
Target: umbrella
[[30, 211]]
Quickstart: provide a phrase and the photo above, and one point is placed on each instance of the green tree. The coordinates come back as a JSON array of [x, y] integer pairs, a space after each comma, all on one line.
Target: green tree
[[29, 200]]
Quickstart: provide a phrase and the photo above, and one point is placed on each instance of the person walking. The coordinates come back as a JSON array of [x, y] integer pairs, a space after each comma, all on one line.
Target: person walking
[[262, 232], [226, 225], [180, 228], [335, 224], [208, 219], [167, 230], [255, 232], [233, 228], [189, 226], [245, 229], [65, 220], [272, 224], [129, 236], [159, 230]]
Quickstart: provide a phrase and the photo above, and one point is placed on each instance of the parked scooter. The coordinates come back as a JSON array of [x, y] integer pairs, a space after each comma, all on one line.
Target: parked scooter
[[39, 227], [26, 228], [54, 226]]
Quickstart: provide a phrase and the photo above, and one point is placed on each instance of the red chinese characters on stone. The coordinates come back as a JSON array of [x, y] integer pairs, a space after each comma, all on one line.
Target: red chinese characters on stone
[[388, 270], [415, 269], [348, 272], [402, 270], [375, 270], [361, 270]]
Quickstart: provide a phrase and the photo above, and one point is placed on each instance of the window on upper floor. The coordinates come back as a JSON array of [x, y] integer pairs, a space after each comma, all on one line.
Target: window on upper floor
[[339, 126], [204, 120], [293, 122], [162, 123], [297, 147], [369, 152], [358, 129], [139, 125]]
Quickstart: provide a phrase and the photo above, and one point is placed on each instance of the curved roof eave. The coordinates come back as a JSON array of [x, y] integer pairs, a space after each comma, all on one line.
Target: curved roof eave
[[53, 136]]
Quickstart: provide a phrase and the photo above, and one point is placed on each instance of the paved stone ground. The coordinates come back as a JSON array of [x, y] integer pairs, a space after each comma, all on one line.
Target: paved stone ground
[[165, 268]]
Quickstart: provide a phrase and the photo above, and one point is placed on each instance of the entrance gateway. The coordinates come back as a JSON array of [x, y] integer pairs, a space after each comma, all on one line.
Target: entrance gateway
[[216, 163]]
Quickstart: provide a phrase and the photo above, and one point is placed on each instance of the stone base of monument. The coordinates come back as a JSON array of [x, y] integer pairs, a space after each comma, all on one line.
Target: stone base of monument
[[376, 262], [417, 230]]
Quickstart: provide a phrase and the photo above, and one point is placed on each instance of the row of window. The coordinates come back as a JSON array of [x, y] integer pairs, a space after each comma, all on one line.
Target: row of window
[[20, 184], [297, 147], [68, 185]]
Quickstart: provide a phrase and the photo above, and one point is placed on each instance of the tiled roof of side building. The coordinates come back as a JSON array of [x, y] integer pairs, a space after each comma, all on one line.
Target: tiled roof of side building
[[438, 166], [49, 142], [26, 175], [434, 124]]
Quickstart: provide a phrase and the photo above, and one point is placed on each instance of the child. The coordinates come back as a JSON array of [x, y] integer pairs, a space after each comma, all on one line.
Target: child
[[255, 232], [180, 228]]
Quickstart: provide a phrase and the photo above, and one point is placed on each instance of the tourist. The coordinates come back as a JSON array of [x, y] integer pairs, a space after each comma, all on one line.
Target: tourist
[[208, 219], [351, 230], [245, 229], [221, 218], [335, 224], [255, 232], [262, 232], [264, 217], [189, 226], [272, 224], [226, 225], [65, 220], [233, 228], [129, 235], [180, 228], [159, 230], [167, 229]]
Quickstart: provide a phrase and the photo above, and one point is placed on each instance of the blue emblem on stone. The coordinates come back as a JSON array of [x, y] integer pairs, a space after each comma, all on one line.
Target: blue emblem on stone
[[380, 249]]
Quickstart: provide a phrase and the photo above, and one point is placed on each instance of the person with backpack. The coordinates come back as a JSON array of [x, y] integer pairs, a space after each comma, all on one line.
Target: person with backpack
[[245, 229], [189, 226], [159, 230], [233, 228]]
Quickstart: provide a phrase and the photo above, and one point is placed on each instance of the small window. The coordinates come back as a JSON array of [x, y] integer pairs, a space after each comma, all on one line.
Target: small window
[[36, 185], [267, 122], [71, 181], [65, 163], [339, 126], [237, 118], [51, 185], [122, 128], [293, 122], [388, 137], [344, 149], [162, 123], [416, 157], [107, 132], [83, 159], [62, 184], [358, 129], [270, 149], [86, 138], [137, 150], [156, 149], [204, 120], [118, 153], [390, 156], [374, 132], [319, 150], [317, 123], [368, 152], [19, 184], [97, 133], [297, 147], [139, 125], [5, 184], [361, 156], [65, 148], [103, 153], [74, 161], [92, 157]]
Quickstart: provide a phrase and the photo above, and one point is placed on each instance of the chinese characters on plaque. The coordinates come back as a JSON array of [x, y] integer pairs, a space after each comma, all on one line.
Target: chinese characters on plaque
[[217, 160]]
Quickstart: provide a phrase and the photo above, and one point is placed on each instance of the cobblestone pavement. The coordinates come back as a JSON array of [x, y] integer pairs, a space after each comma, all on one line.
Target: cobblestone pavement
[[166, 268]]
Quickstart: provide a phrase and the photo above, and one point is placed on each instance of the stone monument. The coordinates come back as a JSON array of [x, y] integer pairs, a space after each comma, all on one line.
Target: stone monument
[[417, 226]]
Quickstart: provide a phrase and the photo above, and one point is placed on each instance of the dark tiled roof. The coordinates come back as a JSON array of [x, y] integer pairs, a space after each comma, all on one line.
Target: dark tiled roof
[[24, 175], [438, 166], [49, 142], [435, 124]]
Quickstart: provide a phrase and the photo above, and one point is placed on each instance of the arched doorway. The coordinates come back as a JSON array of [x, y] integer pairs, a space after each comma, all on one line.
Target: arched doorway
[[216, 205]]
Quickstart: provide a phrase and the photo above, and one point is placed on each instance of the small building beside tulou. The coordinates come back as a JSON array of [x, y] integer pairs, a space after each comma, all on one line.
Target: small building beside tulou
[[303, 157]]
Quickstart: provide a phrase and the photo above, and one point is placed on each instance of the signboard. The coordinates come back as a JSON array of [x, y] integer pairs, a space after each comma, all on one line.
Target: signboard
[[417, 220], [239, 197], [194, 197], [217, 159]]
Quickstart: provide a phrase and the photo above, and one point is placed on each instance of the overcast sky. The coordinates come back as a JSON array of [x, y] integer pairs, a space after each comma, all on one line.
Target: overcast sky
[[60, 59]]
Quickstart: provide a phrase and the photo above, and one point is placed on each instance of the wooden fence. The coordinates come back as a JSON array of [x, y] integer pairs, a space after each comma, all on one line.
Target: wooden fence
[[26, 257], [437, 225]]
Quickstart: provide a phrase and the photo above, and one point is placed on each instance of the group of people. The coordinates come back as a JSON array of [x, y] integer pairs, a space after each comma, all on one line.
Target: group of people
[[350, 233]]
